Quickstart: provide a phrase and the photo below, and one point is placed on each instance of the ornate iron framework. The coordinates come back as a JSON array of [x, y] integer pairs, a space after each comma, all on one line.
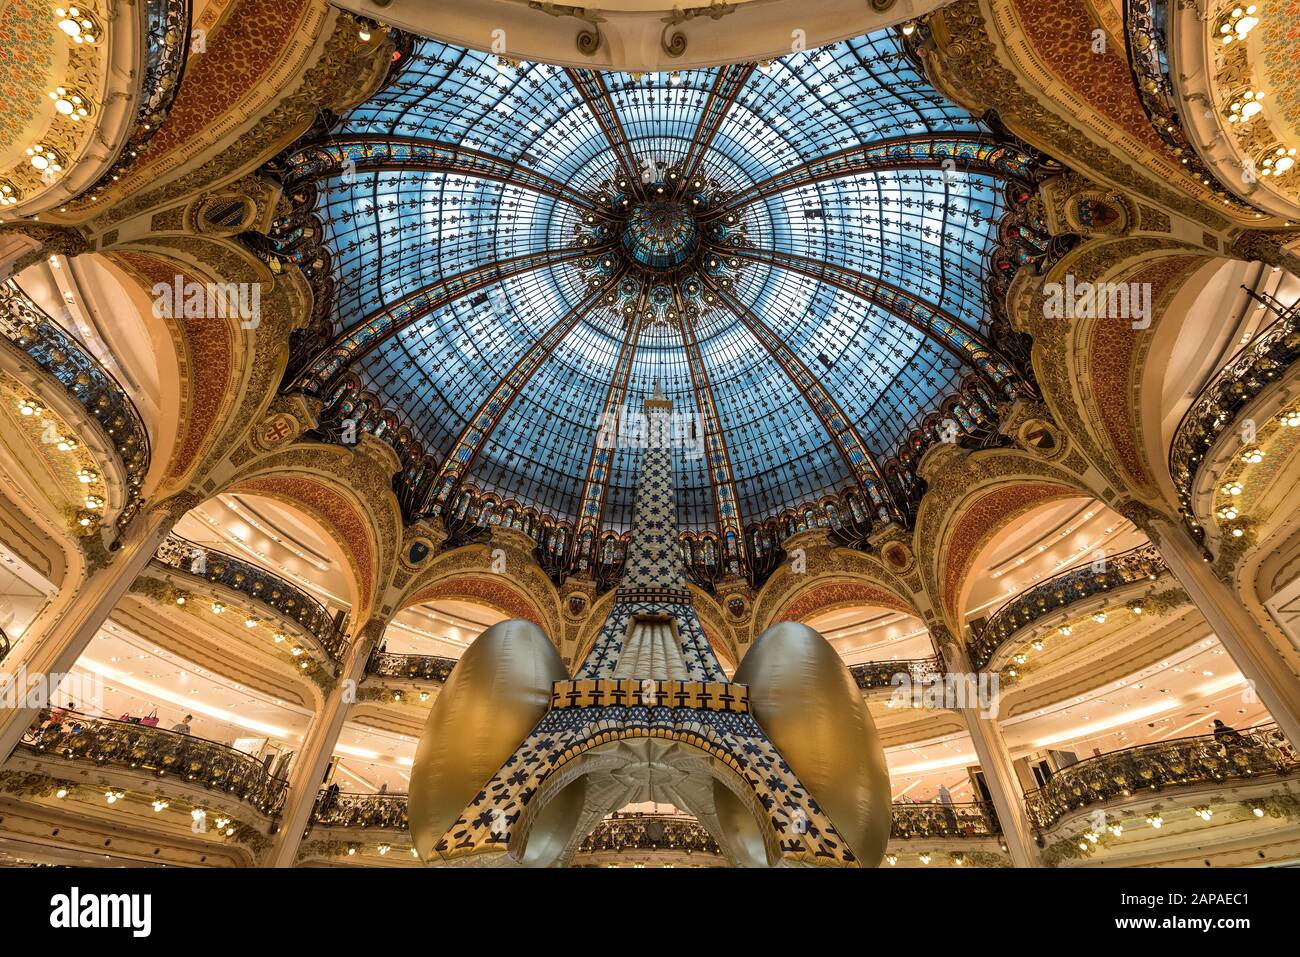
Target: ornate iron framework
[[1142, 563], [342, 809], [872, 675], [27, 327], [676, 192], [124, 744], [1203, 759], [282, 597], [1266, 359], [937, 820], [410, 667]]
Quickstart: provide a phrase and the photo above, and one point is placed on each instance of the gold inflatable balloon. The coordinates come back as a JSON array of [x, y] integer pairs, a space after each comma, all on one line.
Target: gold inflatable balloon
[[498, 691], [554, 827], [808, 704], [742, 839]]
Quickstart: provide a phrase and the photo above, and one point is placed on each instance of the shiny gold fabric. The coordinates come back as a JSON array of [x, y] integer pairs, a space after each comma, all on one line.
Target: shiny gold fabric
[[496, 694], [804, 698]]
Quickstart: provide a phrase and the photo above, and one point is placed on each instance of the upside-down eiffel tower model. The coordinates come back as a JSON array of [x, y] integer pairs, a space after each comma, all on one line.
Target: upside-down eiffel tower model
[[519, 762]]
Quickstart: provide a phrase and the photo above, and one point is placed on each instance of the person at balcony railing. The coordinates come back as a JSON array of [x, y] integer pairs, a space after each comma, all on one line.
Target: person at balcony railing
[[945, 800], [183, 727]]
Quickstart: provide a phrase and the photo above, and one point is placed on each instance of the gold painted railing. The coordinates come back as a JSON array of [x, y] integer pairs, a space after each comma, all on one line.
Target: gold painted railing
[[282, 596], [1204, 759], [124, 744], [26, 326], [1137, 564], [943, 821], [412, 667], [1265, 360], [650, 832], [340, 809], [881, 674]]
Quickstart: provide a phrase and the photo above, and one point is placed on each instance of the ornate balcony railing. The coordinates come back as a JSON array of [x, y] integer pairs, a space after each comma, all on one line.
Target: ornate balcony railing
[[1204, 759], [338, 809], [1146, 23], [880, 674], [1137, 564], [283, 597], [660, 831], [943, 821], [26, 326], [125, 744], [650, 832], [1266, 359], [4, 645], [167, 47], [412, 667]]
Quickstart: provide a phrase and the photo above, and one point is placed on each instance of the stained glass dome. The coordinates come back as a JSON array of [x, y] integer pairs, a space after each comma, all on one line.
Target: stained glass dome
[[795, 251]]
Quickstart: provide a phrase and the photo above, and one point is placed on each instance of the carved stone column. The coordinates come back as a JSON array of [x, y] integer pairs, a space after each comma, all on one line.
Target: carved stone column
[[995, 762], [1273, 678], [59, 635], [309, 765]]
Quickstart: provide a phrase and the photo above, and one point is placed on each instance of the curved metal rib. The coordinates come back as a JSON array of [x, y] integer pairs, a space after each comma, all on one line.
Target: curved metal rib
[[398, 153], [363, 336], [727, 85], [592, 502], [594, 92], [966, 344], [861, 464], [481, 424], [973, 154], [715, 447]]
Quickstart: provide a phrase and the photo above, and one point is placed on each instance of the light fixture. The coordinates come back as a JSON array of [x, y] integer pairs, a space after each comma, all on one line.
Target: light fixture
[[66, 443], [1115, 829], [1246, 107], [1232, 488], [9, 194], [61, 793], [1275, 164], [160, 804], [1227, 513], [909, 28], [45, 159], [1290, 418], [112, 795], [1155, 820], [384, 849], [891, 859], [925, 858], [221, 823], [86, 476], [296, 651], [1136, 608], [1099, 617], [1238, 24], [29, 407], [70, 103], [94, 501], [1257, 809], [1253, 455], [250, 622], [1204, 813], [278, 637], [180, 599], [1066, 631], [81, 26], [1037, 643]]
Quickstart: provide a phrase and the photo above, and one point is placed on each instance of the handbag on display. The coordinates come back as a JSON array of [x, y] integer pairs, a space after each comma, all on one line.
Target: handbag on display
[[152, 720]]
